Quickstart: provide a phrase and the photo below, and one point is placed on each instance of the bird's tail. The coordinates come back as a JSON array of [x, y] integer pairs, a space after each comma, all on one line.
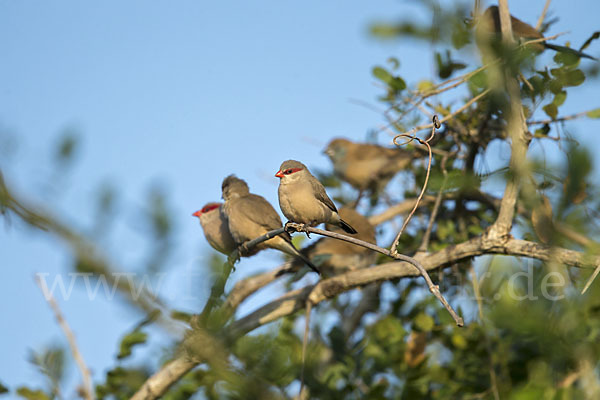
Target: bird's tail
[[289, 248], [564, 49], [346, 227]]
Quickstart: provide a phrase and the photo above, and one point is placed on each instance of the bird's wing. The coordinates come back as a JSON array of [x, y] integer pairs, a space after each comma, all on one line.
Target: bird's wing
[[320, 194], [260, 211]]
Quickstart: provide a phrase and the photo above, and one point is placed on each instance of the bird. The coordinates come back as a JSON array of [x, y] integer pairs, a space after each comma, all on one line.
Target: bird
[[250, 216], [302, 198], [333, 256], [216, 228], [366, 166], [488, 29]]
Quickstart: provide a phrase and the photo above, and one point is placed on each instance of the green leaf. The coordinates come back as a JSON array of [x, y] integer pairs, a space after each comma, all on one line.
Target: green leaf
[[3, 389], [424, 86], [559, 98], [389, 330], [424, 322], [459, 341], [569, 77], [555, 86], [593, 113], [27, 393], [394, 62], [551, 110], [395, 83], [593, 37], [479, 80], [129, 341], [567, 59], [382, 74]]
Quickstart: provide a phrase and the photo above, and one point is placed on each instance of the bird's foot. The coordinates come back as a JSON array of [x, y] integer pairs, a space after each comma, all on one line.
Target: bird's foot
[[290, 227], [305, 230]]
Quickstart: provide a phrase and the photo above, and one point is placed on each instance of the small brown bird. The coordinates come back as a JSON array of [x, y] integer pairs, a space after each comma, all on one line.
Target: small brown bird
[[366, 166], [488, 30], [215, 227], [302, 197], [250, 216], [334, 256]]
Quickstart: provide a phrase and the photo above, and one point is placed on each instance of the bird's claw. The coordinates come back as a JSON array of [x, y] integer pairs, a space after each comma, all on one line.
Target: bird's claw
[[296, 228], [289, 228], [304, 229]]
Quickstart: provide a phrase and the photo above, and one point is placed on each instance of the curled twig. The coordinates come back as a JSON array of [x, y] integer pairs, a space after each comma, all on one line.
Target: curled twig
[[434, 289], [434, 124]]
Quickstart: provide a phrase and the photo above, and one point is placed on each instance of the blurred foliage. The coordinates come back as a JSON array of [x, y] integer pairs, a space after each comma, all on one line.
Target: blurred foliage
[[51, 363], [529, 333]]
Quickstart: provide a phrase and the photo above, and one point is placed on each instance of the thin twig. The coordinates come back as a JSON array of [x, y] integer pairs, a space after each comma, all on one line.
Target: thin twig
[[560, 119], [434, 289], [295, 300], [540, 20], [436, 207], [488, 345], [435, 125], [516, 129], [447, 117], [87, 389], [305, 344], [591, 279]]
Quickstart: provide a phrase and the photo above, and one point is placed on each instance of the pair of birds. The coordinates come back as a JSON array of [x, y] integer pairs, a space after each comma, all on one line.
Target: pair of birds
[[245, 216]]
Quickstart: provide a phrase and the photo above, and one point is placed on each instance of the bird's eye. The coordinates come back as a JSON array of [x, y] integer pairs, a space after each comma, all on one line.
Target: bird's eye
[[288, 171]]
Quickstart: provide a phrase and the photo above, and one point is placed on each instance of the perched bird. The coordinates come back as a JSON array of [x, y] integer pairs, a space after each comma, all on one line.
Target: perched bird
[[366, 166], [334, 256], [215, 227], [250, 216], [302, 197], [488, 30]]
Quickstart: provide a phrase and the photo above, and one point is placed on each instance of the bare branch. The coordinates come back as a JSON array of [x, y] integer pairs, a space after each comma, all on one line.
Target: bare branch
[[434, 289], [559, 119], [160, 382], [436, 207], [400, 208], [435, 125], [591, 279], [244, 288], [81, 248], [87, 389], [451, 115], [295, 300], [540, 20], [517, 131]]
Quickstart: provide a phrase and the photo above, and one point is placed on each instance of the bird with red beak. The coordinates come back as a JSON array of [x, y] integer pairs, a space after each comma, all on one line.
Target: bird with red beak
[[302, 198], [215, 227], [250, 216]]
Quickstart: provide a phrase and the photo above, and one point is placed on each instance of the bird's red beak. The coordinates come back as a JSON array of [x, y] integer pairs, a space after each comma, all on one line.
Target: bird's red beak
[[197, 213], [279, 174]]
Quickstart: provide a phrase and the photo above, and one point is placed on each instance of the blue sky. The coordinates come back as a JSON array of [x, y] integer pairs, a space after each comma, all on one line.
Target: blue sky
[[180, 95]]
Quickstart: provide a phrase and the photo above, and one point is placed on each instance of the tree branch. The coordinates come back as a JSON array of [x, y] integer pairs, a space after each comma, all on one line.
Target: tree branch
[[295, 300], [88, 392], [82, 249]]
